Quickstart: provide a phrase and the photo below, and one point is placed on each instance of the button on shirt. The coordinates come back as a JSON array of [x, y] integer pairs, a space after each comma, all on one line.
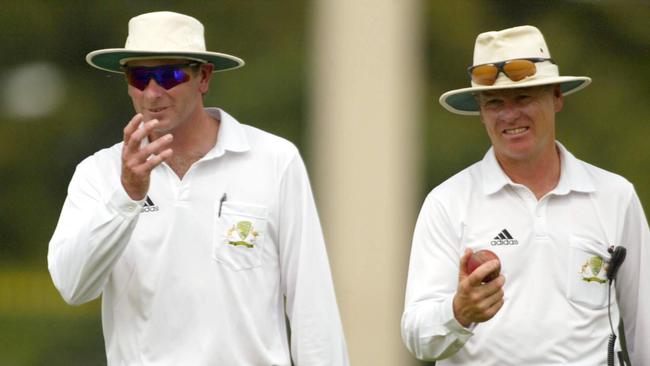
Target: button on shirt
[[202, 270], [553, 254]]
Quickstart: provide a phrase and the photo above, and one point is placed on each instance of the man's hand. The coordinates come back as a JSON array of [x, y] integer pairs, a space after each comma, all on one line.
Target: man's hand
[[476, 301], [137, 163]]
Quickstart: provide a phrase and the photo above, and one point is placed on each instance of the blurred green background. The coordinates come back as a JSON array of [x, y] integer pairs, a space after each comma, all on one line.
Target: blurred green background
[[56, 110]]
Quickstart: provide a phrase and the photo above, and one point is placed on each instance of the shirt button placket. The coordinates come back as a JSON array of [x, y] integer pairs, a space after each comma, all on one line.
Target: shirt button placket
[[540, 219], [183, 192]]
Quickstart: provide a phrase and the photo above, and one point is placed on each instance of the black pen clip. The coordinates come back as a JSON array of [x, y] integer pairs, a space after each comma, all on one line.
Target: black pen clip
[[221, 201]]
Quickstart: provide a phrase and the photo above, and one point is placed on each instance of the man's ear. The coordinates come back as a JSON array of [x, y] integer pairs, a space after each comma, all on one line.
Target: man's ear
[[558, 98], [205, 75], [480, 114]]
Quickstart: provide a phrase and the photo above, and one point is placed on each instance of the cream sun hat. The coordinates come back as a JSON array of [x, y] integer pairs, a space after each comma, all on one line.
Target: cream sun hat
[[513, 43], [162, 34]]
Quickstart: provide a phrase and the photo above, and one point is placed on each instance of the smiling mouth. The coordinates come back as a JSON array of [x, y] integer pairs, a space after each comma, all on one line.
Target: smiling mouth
[[157, 110], [515, 131]]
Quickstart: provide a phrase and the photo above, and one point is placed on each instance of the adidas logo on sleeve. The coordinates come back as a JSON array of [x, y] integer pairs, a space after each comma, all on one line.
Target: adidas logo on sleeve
[[504, 238], [149, 206]]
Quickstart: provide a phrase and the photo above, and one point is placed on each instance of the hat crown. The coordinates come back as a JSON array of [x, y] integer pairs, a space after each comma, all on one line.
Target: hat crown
[[519, 42], [162, 35], [165, 31]]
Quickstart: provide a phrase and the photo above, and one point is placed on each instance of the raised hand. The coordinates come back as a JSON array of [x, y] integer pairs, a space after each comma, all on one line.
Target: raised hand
[[137, 162]]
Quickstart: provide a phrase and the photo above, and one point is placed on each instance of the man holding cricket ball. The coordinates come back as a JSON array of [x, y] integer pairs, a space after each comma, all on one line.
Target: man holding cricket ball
[[557, 229]]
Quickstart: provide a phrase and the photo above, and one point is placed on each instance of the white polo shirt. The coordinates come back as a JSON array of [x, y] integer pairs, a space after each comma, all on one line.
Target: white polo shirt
[[555, 310], [202, 270]]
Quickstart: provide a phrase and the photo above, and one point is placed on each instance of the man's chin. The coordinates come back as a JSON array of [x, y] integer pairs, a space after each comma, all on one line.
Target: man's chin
[[519, 152], [148, 116], [163, 127]]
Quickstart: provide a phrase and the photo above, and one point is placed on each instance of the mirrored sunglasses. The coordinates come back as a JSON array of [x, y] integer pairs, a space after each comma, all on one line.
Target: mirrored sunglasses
[[515, 70], [167, 76]]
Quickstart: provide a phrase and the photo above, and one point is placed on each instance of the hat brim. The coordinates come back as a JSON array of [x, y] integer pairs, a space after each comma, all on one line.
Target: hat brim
[[463, 101], [113, 59]]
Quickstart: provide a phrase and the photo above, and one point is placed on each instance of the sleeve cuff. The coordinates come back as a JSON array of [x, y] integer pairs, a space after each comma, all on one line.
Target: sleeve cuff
[[123, 204], [452, 324]]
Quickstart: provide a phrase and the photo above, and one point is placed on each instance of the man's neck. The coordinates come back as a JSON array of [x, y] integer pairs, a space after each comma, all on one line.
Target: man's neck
[[540, 174], [192, 140]]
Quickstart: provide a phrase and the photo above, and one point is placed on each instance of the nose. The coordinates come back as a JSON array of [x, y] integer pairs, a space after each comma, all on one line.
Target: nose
[[153, 89], [509, 112]]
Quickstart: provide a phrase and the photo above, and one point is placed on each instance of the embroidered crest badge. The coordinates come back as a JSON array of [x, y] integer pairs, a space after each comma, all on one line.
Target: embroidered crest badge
[[242, 234], [594, 270]]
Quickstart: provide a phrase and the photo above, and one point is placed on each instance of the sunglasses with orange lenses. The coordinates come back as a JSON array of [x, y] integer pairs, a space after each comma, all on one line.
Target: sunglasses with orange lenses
[[515, 70]]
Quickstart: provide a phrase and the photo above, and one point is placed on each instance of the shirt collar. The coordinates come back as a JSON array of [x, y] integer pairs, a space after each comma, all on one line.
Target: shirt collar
[[494, 178], [232, 136], [573, 175]]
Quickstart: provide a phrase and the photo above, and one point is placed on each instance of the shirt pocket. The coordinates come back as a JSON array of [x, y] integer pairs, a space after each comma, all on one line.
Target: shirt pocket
[[587, 282], [240, 235]]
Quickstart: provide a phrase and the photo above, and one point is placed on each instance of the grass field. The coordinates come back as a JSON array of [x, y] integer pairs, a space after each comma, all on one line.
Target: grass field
[[38, 329], [51, 341]]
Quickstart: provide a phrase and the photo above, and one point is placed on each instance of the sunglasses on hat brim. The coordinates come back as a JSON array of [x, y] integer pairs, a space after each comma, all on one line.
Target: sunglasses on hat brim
[[167, 76], [515, 70]]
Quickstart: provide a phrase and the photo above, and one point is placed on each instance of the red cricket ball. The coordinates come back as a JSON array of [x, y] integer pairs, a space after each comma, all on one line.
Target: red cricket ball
[[480, 257]]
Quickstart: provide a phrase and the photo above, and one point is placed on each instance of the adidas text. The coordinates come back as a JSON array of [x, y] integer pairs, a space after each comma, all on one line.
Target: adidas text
[[504, 242]]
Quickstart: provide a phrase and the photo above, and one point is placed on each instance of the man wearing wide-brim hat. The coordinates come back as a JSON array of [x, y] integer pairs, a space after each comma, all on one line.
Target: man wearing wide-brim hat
[[200, 233], [557, 225]]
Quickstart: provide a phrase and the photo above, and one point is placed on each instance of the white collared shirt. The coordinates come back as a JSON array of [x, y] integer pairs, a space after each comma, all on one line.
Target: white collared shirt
[[202, 271], [555, 310]]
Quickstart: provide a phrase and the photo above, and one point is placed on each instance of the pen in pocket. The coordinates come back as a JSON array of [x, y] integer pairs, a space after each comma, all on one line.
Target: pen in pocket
[[221, 201]]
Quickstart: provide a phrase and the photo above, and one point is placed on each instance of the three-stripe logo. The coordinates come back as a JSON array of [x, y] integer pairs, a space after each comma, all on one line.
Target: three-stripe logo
[[149, 206], [504, 238]]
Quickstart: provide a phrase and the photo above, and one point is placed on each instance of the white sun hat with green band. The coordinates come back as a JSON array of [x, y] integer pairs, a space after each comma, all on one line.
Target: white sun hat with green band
[[523, 42], [161, 35]]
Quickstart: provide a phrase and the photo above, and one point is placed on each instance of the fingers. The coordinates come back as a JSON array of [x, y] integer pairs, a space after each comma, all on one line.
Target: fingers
[[138, 157], [463, 262], [493, 302], [155, 147], [478, 304], [133, 140], [134, 134], [477, 292], [137, 161], [477, 301], [155, 160], [478, 276], [132, 126], [487, 308]]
